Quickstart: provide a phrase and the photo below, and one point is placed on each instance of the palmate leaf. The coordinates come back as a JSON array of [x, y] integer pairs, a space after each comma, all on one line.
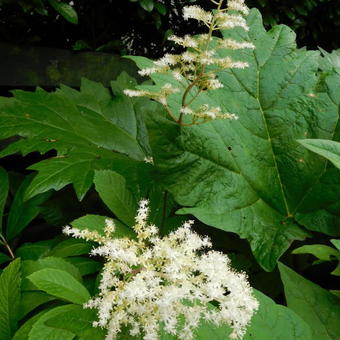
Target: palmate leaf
[[82, 126], [250, 176]]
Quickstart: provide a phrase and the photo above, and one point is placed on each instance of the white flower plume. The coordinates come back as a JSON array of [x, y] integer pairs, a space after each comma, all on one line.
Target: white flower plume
[[146, 280]]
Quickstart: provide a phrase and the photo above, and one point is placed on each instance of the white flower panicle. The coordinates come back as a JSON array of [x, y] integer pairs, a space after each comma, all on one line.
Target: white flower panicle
[[151, 281], [195, 70]]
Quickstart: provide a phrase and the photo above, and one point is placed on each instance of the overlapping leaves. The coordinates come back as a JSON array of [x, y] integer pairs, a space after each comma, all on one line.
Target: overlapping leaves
[[251, 176], [89, 129]]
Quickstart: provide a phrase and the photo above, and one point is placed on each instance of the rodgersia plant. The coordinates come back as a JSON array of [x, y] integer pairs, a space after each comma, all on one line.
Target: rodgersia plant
[[196, 69], [149, 281]]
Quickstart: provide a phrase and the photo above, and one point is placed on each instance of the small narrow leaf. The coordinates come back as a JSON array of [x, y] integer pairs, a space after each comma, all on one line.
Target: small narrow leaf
[[60, 284]]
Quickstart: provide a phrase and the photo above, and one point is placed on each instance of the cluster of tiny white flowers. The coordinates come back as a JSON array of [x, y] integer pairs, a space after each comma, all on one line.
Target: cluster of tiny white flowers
[[151, 281], [190, 68]]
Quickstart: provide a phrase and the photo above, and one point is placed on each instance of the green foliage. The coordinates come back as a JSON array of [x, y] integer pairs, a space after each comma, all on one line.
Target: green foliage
[[40, 330], [97, 223], [119, 200], [326, 148], [274, 321], [315, 305], [251, 177], [41, 7], [4, 185], [322, 252], [255, 177], [61, 284], [9, 299], [84, 127], [65, 10]]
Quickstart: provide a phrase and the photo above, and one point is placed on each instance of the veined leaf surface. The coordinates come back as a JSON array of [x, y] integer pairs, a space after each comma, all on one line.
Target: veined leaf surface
[[251, 176], [81, 126]]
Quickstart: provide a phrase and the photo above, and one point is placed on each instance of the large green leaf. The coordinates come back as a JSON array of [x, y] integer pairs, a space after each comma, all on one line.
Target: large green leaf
[[112, 189], [4, 186], [250, 176], [61, 284], [82, 127], [319, 308], [9, 299], [326, 148]]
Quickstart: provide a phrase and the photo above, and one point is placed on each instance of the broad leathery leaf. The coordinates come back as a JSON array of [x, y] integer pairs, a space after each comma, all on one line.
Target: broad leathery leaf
[[61, 284], [113, 190], [322, 252], [97, 223], [4, 186], [65, 10], [80, 125], [40, 330], [316, 306], [10, 281], [31, 300], [250, 176], [79, 322], [29, 267], [23, 212], [71, 247], [326, 148]]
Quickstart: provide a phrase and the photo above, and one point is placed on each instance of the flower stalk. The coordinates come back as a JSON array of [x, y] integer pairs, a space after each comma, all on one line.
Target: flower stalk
[[196, 69]]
